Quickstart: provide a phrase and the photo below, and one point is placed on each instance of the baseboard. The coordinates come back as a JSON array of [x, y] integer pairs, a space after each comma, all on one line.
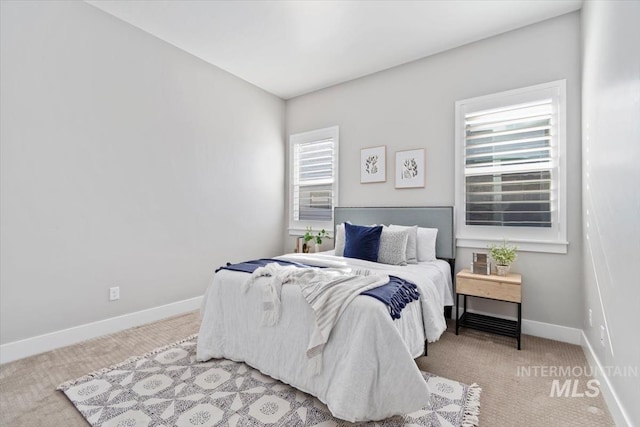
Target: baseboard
[[551, 331], [41, 343], [619, 415], [540, 329]]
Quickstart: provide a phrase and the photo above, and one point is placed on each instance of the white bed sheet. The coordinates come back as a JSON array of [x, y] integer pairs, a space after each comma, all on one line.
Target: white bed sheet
[[410, 325], [439, 271], [368, 370]]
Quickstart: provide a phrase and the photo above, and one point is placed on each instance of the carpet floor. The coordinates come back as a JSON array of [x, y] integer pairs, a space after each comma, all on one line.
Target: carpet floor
[[511, 396]]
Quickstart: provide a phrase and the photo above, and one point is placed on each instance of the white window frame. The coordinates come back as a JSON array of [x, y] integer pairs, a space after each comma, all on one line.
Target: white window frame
[[534, 239], [298, 228]]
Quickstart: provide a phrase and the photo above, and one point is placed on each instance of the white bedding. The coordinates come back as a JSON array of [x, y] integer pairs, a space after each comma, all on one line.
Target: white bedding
[[439, 271], [410, 325], [368, 369], [412, 330]]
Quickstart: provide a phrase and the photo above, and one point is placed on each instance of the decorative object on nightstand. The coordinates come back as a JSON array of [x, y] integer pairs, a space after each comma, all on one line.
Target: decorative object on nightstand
[[301, 246], [500, 288], [504, 255], [480, 264], [317, 238]]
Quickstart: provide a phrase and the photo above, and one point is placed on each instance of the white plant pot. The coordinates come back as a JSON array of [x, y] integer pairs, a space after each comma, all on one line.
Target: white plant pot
[[317, 247], [503, 270]]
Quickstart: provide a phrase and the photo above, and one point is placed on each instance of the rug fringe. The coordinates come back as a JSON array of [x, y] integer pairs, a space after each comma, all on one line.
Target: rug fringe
[[471, 414], [65, 385]]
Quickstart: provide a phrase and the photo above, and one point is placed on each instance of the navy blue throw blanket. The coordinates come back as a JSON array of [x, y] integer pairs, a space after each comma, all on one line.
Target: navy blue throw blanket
[[395, 295], [251, 266]]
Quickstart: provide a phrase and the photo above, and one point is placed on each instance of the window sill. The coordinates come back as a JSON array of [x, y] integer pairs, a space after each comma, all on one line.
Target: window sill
[[551, 247], [297, 232], [299, 228]]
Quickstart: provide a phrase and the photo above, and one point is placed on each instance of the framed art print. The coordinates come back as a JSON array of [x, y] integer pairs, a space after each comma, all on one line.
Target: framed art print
[[373, 162], [410, 170]]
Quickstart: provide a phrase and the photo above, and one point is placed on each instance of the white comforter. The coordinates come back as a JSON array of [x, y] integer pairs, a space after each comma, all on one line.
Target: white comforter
[[368, 371]]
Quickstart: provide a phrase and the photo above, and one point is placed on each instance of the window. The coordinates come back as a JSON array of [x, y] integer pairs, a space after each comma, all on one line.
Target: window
[[510, 168], [313, 179]]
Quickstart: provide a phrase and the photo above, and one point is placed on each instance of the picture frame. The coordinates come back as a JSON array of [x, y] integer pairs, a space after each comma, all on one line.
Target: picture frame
[[373, 164], [410, 168], [480, 264]]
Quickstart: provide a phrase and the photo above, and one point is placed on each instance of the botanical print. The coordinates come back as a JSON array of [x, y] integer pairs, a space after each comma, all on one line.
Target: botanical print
[[410, 168], [373, 164]]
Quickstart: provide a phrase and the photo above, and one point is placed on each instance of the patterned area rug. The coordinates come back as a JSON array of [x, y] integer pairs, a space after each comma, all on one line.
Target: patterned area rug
[[167, 387]]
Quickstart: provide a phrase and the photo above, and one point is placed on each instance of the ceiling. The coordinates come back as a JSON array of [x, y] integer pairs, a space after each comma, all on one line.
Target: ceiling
[[290, 48]]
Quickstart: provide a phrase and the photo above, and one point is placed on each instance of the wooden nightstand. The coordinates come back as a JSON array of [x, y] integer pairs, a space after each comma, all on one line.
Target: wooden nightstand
[[500, 288]]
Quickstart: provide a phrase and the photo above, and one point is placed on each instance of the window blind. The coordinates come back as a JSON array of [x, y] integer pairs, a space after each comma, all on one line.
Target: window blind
[[509, 165], [313, 176]]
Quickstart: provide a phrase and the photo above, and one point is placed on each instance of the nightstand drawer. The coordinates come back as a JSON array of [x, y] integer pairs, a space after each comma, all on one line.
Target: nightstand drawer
[[489, 289]]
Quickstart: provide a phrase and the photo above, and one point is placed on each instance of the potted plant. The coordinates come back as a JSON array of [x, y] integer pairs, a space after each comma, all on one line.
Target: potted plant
[[504, 255], [317, 238]]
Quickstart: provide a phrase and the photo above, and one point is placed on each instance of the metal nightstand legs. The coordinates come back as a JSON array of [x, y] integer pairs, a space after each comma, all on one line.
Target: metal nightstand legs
[[491, 324], [519, 327]]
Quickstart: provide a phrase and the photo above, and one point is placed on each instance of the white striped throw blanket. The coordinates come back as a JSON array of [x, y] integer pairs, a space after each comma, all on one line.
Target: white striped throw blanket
[[328, 291]]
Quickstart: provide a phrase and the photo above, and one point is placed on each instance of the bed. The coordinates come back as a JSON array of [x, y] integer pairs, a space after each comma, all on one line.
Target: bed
[[368, 370]]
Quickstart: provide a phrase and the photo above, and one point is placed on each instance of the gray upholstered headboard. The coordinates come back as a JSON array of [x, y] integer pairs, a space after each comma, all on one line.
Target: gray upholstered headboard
[[429, 217]]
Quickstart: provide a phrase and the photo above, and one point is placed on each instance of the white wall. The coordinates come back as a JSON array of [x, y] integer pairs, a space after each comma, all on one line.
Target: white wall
[[611, 199], [412, 106], [125, 162]]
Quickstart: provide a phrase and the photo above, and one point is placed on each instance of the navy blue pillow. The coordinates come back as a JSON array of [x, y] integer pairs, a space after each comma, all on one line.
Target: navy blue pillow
[[362, 242]]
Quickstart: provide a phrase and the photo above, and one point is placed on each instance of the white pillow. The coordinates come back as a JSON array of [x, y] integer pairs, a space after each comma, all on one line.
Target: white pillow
[[426, 247], [393, 247], [339, 246], [412, 242]]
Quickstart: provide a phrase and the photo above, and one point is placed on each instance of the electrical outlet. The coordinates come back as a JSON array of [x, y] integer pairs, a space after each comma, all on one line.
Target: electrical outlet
[[602, 335], [114, 293], [590, 318]]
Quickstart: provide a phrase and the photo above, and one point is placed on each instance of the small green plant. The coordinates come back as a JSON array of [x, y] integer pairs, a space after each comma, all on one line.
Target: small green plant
[[317, 237], [503, 254]]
